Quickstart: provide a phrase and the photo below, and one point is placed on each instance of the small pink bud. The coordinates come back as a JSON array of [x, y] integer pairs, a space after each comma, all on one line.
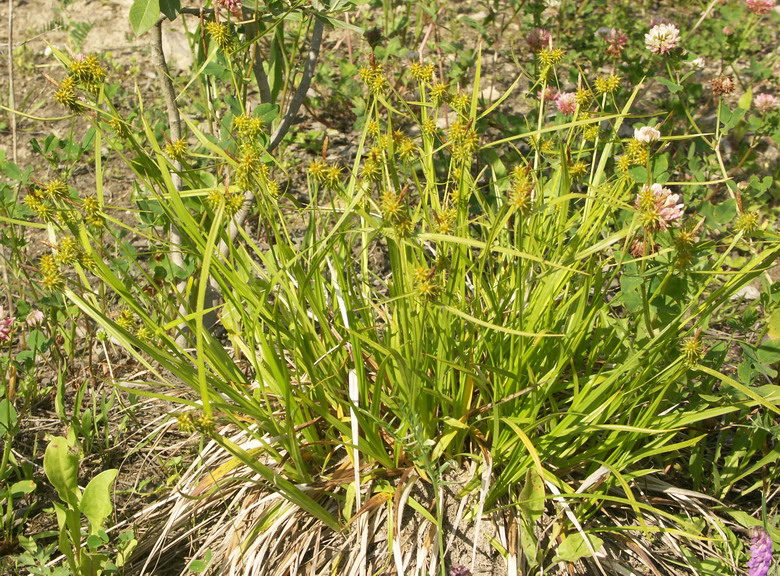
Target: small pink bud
[[35, 318], [6, 324]]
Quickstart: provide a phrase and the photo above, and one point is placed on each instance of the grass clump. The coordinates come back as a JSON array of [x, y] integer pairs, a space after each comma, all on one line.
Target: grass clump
[[527, 310]]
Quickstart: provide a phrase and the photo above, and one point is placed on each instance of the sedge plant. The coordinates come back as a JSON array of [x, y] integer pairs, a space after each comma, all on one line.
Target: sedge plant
[[526, 316]]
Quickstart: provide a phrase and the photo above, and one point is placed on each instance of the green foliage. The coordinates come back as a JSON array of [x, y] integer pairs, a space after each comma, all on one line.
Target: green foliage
[[144, 15], [525, 291], [84, 555]]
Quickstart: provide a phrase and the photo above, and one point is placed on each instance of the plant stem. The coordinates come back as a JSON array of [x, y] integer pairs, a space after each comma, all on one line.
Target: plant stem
[[11, 100]]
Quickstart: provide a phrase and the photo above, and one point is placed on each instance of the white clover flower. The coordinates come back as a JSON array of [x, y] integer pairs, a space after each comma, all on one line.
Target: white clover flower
[[698, 63], [646, 134], [662, 38]]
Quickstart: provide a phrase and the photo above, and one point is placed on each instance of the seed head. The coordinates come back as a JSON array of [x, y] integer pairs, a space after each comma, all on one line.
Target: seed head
[[583, 97], [549, 57], [184, 420], [722, 85], [220, 33], [43, 211], [91, 207], [460, 102], [126, 319], [463, 140], [272, 188], [248, 128], [427, 282], [51, 276], [691, 350], [590, 132], [616, 42], [177, 149], [422, 72], [234, 201], [428, 127], [66, 94], [68, 252], [608, 84], [578, 169], [392, 206], [521, 193], [55, 189], [332, 176], [406, 149], [444, 221], [658, 207], [250, 167], [373, 165], [373, 77], [204, 423], [746, 222], [87, 71], [438, 92]]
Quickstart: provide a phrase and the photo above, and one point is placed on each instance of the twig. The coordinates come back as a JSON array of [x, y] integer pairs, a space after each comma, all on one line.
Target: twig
[[174, 125], [303, 87], [257, 65], [11, 100], [703, 17]]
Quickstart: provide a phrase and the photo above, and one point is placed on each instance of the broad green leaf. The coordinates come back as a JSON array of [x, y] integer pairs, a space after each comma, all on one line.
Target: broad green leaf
[[673, 86], [170, 8], [144, 15], [773, 325], [531, 505], [61, 467], [96, 501], [575, 547], [22, 487], [94, 541], [531, 501], [530, 544], [38, 341], [745, 100], [92, 564], [7, 416], [639, 174], [660, 166]]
